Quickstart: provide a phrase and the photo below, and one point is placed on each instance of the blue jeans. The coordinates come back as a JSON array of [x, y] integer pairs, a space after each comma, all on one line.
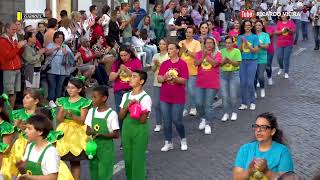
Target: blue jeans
[[230, 84], [248, 69], [150, 52], [204, 102], [126, 40], [191, 84], [304, 29], [298, 26], [283, 55], [269, 65], [118, 98], [172, 113], [316, 34], [55, 86], [156, 105], [260, 76]]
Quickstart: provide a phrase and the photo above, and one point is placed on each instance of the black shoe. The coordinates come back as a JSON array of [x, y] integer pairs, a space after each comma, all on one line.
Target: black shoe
[[316, 48]]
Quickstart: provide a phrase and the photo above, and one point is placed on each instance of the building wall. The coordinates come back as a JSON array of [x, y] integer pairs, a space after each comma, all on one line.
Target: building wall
[[8, 9]]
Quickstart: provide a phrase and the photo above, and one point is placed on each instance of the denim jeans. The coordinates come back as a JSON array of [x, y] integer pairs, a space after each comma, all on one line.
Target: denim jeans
[[316, 34], [230, 84], [204, 102], [269, 65], [260, 76], [283, 55], [298, 26], [191, 84], [304, 29], [126, 40], [156, 105], [150, 52], [248, 69], [55, 86], [172, 113], [118, 98]]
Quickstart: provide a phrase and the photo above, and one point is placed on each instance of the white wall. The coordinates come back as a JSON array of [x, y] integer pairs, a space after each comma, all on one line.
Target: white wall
[[84, 5], [34, 6]]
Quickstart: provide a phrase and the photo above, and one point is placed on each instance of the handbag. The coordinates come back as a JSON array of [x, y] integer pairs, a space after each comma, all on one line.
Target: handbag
[[47, 65]]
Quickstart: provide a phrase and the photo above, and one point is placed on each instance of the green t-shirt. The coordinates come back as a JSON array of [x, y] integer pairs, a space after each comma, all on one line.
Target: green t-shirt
[[234, 55], [264, 38]]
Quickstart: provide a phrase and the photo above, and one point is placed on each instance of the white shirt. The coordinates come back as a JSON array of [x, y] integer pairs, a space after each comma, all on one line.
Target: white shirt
[[174, 32], [112, 120], [146, 102], [137, 42], [297, 5], [50, 162], [315, 10], [105, 24], [67, 34], [305, 16], [236, 5]]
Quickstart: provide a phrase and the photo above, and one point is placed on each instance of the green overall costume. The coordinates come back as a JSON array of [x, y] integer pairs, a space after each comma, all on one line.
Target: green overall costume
[[135, 137], [34, 168], [101, 166]]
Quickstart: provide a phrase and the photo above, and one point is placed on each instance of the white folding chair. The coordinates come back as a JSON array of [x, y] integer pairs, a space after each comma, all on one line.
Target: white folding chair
[[141, 55]]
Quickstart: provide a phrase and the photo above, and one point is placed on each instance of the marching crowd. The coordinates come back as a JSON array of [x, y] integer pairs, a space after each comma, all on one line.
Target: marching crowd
[[197, 51]]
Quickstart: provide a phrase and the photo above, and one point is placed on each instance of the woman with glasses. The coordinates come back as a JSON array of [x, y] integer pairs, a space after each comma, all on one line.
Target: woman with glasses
[[267, 156]]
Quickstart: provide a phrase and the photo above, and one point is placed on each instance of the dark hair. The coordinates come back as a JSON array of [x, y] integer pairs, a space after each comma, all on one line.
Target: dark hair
[[263, 28], [41, 123], [129, 50], [57, 34], [174, 43], [96, 20], [242, 31], [193, 29], [1, 27], [78, 84], [143, 75], [26, 28], [105, 9], [28, 35], [272, 119], [92, 7], [63, 13], [102, 90], [52, 23], [290, 176], [4, 114], [35, 94], [201, 24], [155, 6], [41, 23], [229, 37], [45, 111], [144, 34]]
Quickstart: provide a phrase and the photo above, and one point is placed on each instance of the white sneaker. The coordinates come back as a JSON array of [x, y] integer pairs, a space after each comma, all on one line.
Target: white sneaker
[[167, 146], [193, 112], [270, 82], [263, 93], [185, 112], [207, 130], [52, 104], [234, 116], [184, 145], [158, 128], [258, 84], [286, 75], [252, 107], [202, 124], [243, 107], [225, 117], [280, 72], [255, 95]]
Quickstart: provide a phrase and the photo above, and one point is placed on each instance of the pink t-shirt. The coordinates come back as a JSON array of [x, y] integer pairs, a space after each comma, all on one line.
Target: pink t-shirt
[[270, 30], [285, 39], [122, 81], [169, 92], [216, 35], [208, 76], [234, 33]]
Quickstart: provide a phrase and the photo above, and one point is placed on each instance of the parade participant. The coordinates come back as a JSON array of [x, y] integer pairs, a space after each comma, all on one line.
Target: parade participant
[[208, 81], [157, 60], [173, 75], [135, 130], [213, 31], [248, 44], [188, 49], [71, 115], [235, 31], [230, 81], [267, 154], [102, 124], [122, 71], [264, 42], [157, 18], [41, 159], [285, 30], [204, 33]]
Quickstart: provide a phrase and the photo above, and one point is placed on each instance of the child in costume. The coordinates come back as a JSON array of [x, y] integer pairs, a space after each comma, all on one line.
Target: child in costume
[[135, 131], [102, 124], [41, 159], [72, 112]]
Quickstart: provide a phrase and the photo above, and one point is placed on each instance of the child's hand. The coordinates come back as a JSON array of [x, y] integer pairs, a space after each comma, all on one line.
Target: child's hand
[[24, 177], [21, 165]]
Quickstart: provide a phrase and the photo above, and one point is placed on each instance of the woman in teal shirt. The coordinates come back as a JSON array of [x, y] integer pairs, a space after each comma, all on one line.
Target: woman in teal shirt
[[264, 42], [267, 154], [157, 20]]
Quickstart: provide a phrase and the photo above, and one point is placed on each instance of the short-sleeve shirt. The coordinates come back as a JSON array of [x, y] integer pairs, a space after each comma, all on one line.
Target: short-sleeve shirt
[[21, 115], [193, 46], [171, 92], [58, 59], [253, 41], [145, 102], [270, 30], [112, 120], [50, 162], [127, 32], [233, 55], [74, 107], [161, 59], [264, 38], [285, 39], [278, 156], [183, 20]]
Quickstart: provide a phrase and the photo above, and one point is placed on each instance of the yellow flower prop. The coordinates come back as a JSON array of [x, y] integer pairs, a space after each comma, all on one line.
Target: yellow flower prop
[[246, 49], [96, 127], [124, 76], [285, 31], [206, 65], [173, 73], [29, 172]]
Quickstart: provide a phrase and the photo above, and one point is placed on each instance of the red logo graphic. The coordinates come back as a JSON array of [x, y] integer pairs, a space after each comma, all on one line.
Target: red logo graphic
[[247, 14]]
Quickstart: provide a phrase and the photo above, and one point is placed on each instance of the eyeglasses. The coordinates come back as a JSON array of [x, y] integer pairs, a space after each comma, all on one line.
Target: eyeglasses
[[260, 127]]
